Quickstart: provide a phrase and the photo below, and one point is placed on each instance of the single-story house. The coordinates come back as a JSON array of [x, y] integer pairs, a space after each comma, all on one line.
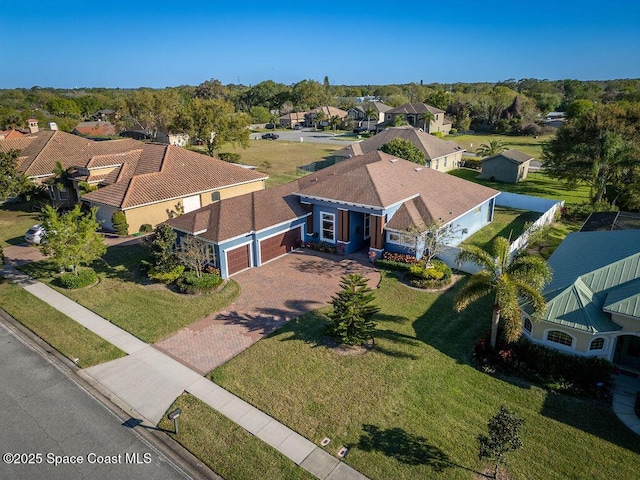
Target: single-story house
[[441, 155], [368, 202], [157, 181], [511, 166], [413, 114], [593, 301], [146, 181], [95, 129]]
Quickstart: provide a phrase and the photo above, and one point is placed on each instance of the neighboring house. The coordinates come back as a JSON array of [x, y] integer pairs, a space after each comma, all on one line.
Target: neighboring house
[[511, 166], [146, 181], [156, 181], [441, 155], [413, 114], [367, 202], [292, 119], [104, 114], [162, 136], [359, 116], [310, 117], [95, 129], [9, 134], [593, 301]]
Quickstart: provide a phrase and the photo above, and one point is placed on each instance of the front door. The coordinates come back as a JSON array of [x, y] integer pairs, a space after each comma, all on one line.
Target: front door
[[627, 352]]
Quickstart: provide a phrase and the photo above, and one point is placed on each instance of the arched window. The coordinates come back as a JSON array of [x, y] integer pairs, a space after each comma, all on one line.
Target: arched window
[[527, 325], [562, 338], [597, 344]]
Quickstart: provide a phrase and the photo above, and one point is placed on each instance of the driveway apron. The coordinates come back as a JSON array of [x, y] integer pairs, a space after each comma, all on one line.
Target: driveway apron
[[270, 295]]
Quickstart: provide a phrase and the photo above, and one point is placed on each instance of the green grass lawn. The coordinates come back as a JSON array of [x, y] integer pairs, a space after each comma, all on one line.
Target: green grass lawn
[[526, 144], [150, 312], [280, 159], [536, 184], [413, 407], [227, 448], [507, 222], [65, 335], [15, 220]]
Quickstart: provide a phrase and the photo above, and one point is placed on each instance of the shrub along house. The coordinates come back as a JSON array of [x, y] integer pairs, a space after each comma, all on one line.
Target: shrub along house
[[593, 301], [369, 201]]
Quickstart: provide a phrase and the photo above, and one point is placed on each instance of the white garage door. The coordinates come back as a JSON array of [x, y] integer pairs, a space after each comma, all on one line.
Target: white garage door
[[191, 203]]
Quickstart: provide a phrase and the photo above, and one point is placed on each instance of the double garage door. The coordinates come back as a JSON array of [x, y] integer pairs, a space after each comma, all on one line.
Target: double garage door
[[278, 245], [239, 258]]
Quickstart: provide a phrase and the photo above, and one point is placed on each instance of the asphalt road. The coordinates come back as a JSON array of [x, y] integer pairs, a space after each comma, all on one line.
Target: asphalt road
[[307, 135], [48, 418]]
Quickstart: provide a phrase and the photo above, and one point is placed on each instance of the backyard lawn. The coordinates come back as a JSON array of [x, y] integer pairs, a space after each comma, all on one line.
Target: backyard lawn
[[148, 311], [413, 407], [280, 159], [507, 222], [536, 184], [526, 144]]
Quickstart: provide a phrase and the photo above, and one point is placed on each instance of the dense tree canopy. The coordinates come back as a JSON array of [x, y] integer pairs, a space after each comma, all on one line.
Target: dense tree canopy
[[402, 148], [12, 182]]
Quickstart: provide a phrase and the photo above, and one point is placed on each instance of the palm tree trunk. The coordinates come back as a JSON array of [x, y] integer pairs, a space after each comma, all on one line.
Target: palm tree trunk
[[495, 321]]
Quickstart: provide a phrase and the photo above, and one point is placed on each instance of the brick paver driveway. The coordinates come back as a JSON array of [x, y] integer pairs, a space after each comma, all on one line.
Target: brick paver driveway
[[272, 294]]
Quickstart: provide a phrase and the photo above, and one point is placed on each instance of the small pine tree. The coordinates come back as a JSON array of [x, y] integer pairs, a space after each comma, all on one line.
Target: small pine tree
[[161, 245], [352, 313], [119, 222], [504, 437]]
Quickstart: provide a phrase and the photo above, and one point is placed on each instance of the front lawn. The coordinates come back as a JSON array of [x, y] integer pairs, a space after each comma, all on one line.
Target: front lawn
[[227, 448], [150, 312], [525, 143], [413, 407], [537, 184], [65, 335], [507, 222], [15, 220]]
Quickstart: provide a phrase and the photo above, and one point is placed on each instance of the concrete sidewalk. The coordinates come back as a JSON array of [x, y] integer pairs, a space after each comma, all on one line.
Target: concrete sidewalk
[[149, 381], [624, 400]]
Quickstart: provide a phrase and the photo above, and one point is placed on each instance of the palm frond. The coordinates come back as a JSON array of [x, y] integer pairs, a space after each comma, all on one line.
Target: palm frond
[[471, 253], [476, 287], [531, 269]]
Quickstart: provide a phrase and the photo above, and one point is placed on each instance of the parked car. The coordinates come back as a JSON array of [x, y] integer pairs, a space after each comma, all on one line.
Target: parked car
[[270, 136], [297, 126], [360, 130], [35, 234]]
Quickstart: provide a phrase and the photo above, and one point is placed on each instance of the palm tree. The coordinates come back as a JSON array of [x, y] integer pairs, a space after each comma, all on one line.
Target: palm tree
[[320, 117], [61, 180], [493, 147], [370, 112], [426, 118], [515, 281], [334, 121]]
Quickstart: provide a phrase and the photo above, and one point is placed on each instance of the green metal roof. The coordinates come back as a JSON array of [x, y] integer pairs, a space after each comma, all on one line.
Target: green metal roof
[[594, 274]]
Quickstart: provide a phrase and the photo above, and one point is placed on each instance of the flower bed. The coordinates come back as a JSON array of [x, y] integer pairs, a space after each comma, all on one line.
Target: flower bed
[[323, 247]]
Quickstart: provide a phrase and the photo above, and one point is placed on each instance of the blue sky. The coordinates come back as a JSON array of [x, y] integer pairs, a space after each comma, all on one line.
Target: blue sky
[[69, 44]]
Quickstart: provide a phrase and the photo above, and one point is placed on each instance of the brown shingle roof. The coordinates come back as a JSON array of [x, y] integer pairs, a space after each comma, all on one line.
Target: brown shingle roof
[[380, 180], [237, 216], [415, 108], [165, 172], [432, 146], [330, 112]]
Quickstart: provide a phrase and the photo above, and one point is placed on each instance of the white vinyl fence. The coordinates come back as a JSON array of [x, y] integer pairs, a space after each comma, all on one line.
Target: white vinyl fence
[[548, 208]]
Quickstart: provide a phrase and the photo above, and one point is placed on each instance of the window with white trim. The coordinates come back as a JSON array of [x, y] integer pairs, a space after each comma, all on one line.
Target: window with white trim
[[527, 325], [400, 239], [367, 226], [327, 227], [597, 344], [562, 338]]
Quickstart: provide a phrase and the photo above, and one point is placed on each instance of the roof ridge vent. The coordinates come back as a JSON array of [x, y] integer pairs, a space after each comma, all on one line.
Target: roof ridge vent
[[417, 169], [393, 160]]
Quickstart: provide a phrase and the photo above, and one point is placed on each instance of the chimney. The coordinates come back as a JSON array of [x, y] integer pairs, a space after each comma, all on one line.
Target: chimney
[[33, 125]]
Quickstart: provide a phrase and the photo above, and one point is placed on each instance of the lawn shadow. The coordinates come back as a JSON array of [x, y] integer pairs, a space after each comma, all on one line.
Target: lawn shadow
[[405, 447], [122, 262], [136, 422], [454, 333]]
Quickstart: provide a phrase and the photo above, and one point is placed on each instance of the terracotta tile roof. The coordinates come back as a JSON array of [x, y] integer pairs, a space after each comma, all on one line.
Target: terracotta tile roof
[[240, 215], [98, 161], [40, 151], [415, 108], [13, 133], [516, 156], [432, 146], [98, 129], [380, 180], [165, 172]]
